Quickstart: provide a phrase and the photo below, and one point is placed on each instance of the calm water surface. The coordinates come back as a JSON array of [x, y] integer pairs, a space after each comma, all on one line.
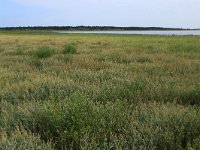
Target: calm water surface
[[174, 32]]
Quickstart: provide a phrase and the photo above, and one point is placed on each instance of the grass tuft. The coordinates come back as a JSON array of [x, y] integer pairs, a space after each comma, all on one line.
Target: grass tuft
[[43, 52], [70, 49]]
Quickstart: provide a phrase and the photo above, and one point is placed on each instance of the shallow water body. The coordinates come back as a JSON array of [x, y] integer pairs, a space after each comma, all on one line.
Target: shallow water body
[[149, 32]]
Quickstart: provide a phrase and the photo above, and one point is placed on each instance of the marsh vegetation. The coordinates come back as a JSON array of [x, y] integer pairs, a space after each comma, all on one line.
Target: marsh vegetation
[[99, 91]]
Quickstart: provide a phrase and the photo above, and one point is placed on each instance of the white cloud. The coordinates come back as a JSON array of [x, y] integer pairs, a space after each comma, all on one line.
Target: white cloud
[[59, 4], [42, 3], [172, 13], [134, 4]]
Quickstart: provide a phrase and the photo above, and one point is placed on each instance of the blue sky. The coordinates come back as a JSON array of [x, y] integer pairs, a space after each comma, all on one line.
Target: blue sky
[[165, 13]]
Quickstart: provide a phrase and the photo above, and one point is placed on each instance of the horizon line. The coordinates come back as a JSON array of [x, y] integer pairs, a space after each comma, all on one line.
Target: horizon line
[[99, 26]]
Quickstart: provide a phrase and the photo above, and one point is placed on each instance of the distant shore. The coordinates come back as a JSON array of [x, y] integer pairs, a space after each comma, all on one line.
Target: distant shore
[[91, 28]]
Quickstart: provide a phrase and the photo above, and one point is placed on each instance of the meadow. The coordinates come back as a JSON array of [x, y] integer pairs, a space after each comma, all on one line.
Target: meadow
[[88, 91]]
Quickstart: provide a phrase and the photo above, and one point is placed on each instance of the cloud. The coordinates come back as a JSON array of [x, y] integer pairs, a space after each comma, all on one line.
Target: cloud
[[59, 4], [169, 13], [63, 5], [42, 3]]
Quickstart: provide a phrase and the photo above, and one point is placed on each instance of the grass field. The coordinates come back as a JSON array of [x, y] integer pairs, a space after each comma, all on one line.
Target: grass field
[[78, 91]]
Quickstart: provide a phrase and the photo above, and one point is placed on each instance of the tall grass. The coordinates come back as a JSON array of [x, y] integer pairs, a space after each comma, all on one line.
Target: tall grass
[[70, 49], [101, 92], [43, 52]]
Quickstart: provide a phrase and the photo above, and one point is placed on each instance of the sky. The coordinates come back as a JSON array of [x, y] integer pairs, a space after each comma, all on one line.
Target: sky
[[144, 13]]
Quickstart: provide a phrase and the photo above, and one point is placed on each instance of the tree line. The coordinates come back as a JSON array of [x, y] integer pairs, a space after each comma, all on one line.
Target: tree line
[[86, 28]]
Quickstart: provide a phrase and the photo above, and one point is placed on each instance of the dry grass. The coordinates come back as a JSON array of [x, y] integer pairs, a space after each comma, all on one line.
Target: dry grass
[[120, 92]]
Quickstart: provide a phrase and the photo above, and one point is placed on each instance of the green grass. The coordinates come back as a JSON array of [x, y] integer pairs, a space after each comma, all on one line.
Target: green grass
[[99, 91], [43, 52], [69, 49]]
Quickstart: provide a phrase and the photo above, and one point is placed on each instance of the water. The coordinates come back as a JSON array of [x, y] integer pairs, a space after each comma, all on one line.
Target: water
[[150, 32]]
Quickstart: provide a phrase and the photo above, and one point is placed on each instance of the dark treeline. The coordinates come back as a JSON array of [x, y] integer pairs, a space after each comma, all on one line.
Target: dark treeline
[[86, 28]]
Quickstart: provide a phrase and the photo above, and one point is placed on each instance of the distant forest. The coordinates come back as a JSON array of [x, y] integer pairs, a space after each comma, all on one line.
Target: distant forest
[[86, 28]]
